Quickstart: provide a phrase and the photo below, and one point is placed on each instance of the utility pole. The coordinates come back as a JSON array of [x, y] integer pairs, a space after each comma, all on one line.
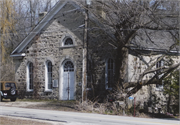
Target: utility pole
[[85, 53]]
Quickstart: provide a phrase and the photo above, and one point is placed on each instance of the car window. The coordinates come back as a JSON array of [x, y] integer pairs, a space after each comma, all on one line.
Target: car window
[[9, 85]]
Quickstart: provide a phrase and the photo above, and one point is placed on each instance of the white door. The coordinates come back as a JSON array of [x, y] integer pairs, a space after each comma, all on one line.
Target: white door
[[65, 86], [71, 88], [68, 81]]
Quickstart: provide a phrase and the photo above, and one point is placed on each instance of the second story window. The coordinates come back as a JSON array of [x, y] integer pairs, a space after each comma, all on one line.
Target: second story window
[[68, 42]]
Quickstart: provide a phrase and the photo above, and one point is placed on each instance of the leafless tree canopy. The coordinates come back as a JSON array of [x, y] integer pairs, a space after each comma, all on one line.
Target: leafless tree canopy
[[17, 18], [128, 22]]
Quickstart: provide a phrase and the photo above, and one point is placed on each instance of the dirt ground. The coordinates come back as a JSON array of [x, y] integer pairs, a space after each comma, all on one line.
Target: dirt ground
[[63, 106], [9, 120], [47, 105], [35, 104]]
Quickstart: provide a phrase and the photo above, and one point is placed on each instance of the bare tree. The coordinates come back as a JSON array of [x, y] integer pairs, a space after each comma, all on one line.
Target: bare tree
[[7, 27], [17, 18], [127, 21], [7, 24]]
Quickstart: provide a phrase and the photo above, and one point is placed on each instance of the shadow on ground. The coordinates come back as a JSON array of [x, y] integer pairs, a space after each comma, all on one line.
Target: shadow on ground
[[162, 116], [61, 106]]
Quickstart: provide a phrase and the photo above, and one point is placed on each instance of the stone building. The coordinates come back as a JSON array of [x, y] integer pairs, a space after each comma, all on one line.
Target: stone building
[[52, 54], [152, 95], [52, 61]]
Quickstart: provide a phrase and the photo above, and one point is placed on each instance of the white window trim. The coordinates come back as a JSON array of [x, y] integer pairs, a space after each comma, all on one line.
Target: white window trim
[[27, 78], [64, 40], [46, 77]]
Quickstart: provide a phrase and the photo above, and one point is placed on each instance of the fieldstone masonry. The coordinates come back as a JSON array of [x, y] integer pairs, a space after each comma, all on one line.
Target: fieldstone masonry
[[48, 46], [147, 96]]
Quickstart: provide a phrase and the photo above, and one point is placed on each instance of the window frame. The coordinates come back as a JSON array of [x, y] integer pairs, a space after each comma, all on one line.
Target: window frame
[[47, 76], [30, 75], [69, 45]]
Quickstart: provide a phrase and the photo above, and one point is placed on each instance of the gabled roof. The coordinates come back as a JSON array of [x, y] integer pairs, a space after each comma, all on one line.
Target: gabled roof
[[48, 17], [151, 40]]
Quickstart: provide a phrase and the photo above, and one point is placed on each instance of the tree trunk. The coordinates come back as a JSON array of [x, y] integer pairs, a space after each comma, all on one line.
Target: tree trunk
[[120, 66]]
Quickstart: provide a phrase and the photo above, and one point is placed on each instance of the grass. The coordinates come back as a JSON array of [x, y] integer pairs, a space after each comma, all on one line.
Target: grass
[[6, 120]]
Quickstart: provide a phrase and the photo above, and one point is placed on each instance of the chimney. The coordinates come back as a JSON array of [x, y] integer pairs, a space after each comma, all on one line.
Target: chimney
[[41, 15]]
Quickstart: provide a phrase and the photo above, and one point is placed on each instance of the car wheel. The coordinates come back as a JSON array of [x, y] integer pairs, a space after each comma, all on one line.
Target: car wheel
[[13, 91], [1, 98], [13, 99]]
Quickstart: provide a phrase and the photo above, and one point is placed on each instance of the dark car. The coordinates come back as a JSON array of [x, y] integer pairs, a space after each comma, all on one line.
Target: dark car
[[8, 90]]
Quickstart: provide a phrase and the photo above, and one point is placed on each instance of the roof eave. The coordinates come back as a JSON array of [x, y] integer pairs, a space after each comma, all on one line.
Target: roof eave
[[156, 50], [18, 55], [38, 28]]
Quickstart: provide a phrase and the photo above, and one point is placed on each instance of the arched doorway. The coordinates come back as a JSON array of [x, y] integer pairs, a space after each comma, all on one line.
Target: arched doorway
[[68, 86]]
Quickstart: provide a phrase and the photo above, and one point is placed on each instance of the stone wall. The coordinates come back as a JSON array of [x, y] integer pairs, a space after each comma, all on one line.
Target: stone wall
[[136, 66], [148, 96]]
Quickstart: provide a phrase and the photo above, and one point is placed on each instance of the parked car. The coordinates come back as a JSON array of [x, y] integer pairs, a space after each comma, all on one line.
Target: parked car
[[8, 90]]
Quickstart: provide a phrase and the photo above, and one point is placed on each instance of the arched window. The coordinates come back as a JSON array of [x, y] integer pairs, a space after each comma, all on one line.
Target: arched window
[[48, 76], [109, 73], [68, 67], [30, 76], [68, 42]]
